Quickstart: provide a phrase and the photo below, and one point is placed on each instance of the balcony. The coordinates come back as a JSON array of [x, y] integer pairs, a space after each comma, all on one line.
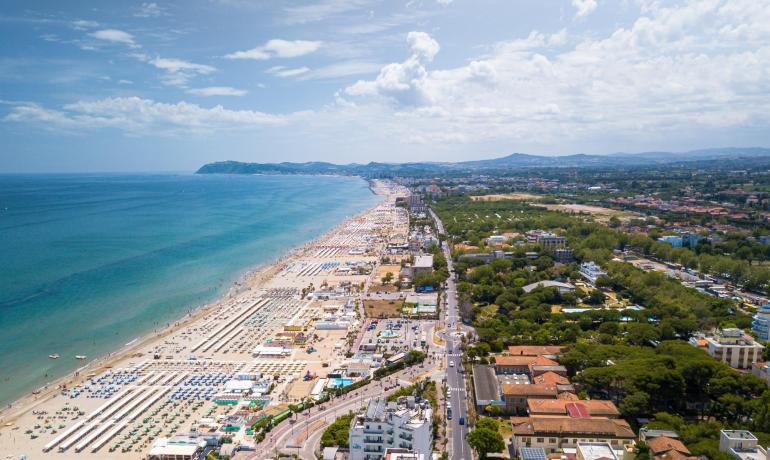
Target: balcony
[[407, 437], [372, 431], [372, 440], [373, 449]]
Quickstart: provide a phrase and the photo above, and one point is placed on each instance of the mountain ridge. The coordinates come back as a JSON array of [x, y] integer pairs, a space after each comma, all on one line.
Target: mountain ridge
[[509, 162]]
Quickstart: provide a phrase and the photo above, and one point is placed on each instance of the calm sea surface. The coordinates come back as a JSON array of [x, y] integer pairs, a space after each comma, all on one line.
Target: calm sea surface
[[91, 262]]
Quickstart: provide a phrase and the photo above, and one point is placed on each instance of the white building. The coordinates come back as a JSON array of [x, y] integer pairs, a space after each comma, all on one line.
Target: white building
[[271, 351], [404, 454], [178, 448], [742, 445], [731, 346], [562, 287], [405, 424], [422, 264], [596, 451], [591, 271], [496, 239], [761, 323]]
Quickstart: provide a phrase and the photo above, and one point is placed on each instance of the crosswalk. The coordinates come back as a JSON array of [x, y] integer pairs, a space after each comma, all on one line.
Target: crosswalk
[[456, 389], [454, 355]]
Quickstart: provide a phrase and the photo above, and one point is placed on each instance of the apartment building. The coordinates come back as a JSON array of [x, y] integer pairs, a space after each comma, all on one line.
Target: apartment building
[[405, 424], [591, 272], [730, 345], [761, 323]]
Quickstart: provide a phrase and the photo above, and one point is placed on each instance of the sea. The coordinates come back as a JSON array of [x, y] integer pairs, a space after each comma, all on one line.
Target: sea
[[90, 262]]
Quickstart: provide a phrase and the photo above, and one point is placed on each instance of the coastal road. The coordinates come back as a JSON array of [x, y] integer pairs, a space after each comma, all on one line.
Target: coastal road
[[303, 436], [455, 378]]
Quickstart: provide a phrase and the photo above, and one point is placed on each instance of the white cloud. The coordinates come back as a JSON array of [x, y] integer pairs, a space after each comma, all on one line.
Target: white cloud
[[114, 36], [178, 72], [82, 24], [278, 48], [149, 10], [691, 75], [178, 65], [217, 91], [284, 72], [423, 45], [584, 7], [320, 10], [702, 67], [144, 116], [342, 69], [402, 81]]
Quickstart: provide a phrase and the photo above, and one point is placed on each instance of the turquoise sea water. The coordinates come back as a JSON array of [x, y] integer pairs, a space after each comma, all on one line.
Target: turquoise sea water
[[91, 262]]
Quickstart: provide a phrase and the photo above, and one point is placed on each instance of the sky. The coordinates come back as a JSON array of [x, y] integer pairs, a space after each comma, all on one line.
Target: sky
[[168, 86]]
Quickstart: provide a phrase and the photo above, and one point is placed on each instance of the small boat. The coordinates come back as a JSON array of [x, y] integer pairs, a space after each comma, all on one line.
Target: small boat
[[54, 356], [81, 356]]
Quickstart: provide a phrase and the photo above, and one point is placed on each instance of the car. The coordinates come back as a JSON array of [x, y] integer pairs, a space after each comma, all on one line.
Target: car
[[449, 414], [451, 364], [462, 420]]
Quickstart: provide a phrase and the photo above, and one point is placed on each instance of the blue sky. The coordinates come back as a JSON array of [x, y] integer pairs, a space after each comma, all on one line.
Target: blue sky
[[168, 86]]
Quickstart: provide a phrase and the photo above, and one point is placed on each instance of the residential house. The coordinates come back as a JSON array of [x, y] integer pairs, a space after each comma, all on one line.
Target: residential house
[[555, 433], [665, 448], [582, 408], [742, 445]]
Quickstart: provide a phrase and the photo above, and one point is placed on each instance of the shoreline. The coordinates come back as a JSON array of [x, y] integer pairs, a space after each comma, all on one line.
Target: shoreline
[[249, 279]]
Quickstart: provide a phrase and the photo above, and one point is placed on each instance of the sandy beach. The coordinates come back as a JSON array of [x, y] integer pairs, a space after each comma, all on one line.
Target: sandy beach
[[280, 322]]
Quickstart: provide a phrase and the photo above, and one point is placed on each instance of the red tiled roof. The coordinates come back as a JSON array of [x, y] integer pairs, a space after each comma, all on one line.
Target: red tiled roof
[[529, 390], [551, 378], [524, 361], [577, 409], [561, 406], [561, 426], [664, 444], [534, 350]]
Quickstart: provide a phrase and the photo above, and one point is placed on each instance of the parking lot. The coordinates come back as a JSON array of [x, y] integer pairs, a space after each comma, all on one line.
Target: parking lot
[[394, 335]]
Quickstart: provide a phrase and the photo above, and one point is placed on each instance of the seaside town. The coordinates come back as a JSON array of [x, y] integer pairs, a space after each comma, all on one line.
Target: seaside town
[[295, 336], [385, 230], [445, 324]]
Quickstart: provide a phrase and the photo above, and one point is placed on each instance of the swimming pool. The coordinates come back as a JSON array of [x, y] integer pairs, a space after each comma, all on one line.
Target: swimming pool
[[339, 382]]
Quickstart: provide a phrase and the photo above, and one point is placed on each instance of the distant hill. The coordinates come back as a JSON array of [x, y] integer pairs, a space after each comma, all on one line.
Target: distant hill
[[511, 162]]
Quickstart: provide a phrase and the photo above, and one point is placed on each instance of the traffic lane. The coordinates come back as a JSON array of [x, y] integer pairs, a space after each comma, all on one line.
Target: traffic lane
[[281, 434]]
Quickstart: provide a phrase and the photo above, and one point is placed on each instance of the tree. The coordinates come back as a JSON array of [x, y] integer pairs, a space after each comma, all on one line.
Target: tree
[[485, 441], [488, 423], [596, 297], [337, 433], [635, 404], [387, 278]]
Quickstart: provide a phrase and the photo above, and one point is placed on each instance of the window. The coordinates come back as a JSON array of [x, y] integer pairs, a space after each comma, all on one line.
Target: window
[[540, 440]]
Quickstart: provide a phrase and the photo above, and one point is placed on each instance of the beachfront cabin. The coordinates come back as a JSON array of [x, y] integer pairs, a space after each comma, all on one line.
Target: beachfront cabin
[[181, 448], [271, 351]]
